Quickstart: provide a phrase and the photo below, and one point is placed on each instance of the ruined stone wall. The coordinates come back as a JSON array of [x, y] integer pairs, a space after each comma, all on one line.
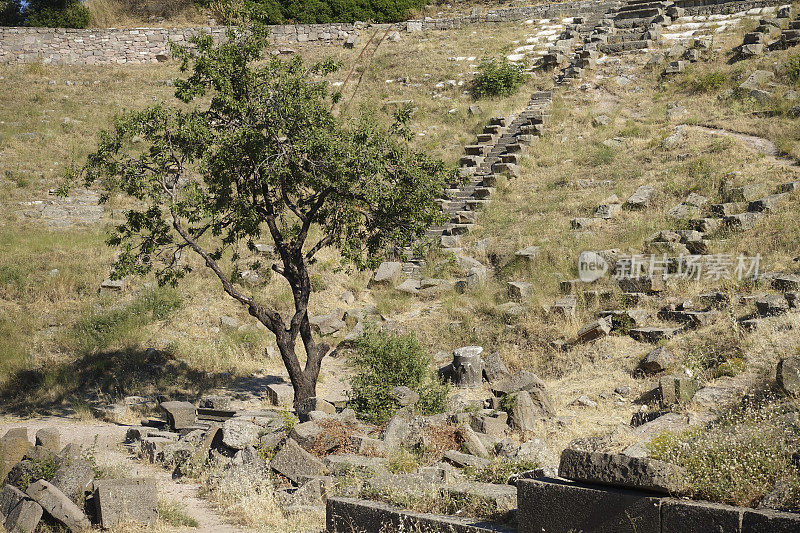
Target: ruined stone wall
[[149, 45]]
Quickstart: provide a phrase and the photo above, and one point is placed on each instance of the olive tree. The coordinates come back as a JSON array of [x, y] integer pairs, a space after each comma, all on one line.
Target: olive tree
[[253, 149]]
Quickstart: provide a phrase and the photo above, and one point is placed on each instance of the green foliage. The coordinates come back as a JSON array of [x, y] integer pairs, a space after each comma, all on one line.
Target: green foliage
[[497, 78], [709, 81], [57, 14], [739, 459], [499, 471], [792, 68], [259, 151], [319, 11], [99, 329], [11, 13], [383, 361], [36, 469]]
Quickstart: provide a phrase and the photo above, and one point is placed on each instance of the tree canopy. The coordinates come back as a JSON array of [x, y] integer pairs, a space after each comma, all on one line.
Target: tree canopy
[[253, 151]]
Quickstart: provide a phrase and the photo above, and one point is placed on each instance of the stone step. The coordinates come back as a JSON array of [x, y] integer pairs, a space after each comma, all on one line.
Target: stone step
[[629, 46], [646, 13]]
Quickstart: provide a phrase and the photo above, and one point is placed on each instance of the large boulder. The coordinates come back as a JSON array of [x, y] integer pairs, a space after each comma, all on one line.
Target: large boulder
[[49, 439], [120, 500], [58, 506], [535, 387], [24, 516], [619, 470]]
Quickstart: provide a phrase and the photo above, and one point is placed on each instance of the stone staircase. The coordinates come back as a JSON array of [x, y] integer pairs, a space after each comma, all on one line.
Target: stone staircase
[[497, 151]]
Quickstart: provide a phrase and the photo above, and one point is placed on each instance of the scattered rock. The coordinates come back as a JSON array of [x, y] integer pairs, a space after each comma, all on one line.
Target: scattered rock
[[788, 375], [294, 462], [658, 360], [180, 415], [57, 505]]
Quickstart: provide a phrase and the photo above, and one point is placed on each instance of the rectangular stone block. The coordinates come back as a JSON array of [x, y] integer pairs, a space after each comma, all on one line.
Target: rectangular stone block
[[348, 515], [770, 522], [558, 506], [119, 500], [619, 470], [685, 516]]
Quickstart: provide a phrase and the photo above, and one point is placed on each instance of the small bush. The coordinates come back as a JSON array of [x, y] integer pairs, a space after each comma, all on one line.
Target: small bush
[[710, 81], [57, 14], [10, 13], [497, 78], [383, 361], [792, 68]]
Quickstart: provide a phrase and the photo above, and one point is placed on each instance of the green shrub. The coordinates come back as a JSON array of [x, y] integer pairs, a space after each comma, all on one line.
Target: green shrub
[[383, 361], [57, 14], [497, 78], [10, 13], [316, 11], [710, 81], [792, 68]]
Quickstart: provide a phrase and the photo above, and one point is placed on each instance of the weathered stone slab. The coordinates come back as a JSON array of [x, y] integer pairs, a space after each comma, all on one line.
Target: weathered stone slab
[[686, 516], [24, 517], [619, 470], [563, 507], [770, 522], [497, 500], [57, 505], [348, 515], [294, 462], [10, 496], [119, 500], [12, 449], [180, 415], [49, 439]]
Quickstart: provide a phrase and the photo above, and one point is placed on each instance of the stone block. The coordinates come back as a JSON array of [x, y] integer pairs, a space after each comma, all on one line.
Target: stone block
[[386, 273], [10, 496], [349, 515], [682, 516], [24, 517], [619, 470], [49, 439], [180, 415], [294, 462], [58, 506], [594, 330], [563, 507], [770, 522], [12, 450], [120, 500], [239, 432], [74, 477], [495, 500]]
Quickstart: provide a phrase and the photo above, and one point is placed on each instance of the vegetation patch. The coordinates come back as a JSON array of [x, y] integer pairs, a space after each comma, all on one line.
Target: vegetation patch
[[383, 361], [498, 78], [745, 456]]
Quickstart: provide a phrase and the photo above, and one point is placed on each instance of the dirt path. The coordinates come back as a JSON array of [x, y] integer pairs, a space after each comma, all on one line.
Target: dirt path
[[757, 144], [107, 439]]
